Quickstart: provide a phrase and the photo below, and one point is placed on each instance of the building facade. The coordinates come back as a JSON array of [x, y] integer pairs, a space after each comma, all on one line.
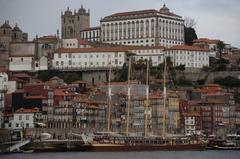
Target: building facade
[[190, 56], [143, 28], [24, 118], [91, 34], [89, 58]]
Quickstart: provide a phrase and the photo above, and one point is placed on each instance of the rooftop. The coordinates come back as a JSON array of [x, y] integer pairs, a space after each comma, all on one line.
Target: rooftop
[[23, 110], [97, 49], [188, 48]]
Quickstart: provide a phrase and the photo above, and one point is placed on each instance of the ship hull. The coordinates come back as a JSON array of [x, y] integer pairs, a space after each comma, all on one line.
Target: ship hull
[[119, 148]]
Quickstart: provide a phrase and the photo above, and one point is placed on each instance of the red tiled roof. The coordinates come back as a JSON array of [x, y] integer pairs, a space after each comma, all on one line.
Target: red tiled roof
[[22, 75], [191, 114], [83, 42], [78, 82], [16, 79], [135, 12], [20, 91], [188, 48], [23, 110], [35, 97], [148, 11], [205, 40], [48, 38], [3, 69], [97, 49]]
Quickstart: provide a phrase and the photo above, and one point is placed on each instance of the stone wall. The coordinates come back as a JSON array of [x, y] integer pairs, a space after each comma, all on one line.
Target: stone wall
[[194, 76]]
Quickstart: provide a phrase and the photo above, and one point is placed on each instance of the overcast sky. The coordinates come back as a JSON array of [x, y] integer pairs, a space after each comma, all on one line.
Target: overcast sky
[[217, 19]]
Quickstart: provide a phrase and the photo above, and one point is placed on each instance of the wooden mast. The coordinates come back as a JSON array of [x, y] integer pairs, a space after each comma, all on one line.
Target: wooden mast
[[147, 102], [129, 96], [164, 98], [109, 99]]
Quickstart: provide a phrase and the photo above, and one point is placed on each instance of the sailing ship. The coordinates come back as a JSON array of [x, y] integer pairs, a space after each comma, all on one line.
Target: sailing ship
[[110, 141]]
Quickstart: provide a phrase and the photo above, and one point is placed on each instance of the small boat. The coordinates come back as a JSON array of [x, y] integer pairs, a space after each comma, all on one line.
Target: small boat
[[27, 151], [219, 144]]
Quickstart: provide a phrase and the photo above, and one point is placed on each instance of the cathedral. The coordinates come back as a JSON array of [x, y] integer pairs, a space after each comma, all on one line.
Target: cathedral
[[74, 22]]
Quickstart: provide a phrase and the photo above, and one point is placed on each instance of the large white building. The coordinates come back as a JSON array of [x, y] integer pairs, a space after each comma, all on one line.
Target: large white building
[[190, 56], [143, 28], [89, 58]]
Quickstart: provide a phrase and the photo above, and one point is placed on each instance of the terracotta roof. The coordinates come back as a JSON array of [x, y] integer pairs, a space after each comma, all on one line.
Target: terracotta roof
[[20, 91], [83, 42], [16, 79], [59, 92], [22, 75], [36, 97], [23, 110], [191, 114], [139, 12], [92, 28], [205, 40], [48, 38], [189, 48], [55, 78], [97, 49], [78, 82], [148, 11], [3, 69]]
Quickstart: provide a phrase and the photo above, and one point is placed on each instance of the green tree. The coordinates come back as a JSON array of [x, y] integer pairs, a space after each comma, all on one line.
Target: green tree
[[220, 47], [180, 67], [228, 81], [189, 35]]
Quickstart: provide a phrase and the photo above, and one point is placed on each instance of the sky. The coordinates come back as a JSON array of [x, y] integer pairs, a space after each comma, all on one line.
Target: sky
[[216, 19]]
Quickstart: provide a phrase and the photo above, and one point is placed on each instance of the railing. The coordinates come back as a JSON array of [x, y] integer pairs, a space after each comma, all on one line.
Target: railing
[[95, 68]]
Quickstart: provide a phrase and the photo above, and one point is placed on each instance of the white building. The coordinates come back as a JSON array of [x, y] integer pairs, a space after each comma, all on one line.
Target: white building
[[91, 34], [21, 63], [143, 28], [3, 87], [75, 43], [24, 118], [90, 58], [154, 54], [191, 125], [27, 63], [190, 56]]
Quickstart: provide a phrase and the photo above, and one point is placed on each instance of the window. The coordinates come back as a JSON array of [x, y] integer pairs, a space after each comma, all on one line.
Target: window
[[20, 117], [27, 117], [17, 125], [22, 59], [57, 63], [27, 125], [59, 55]]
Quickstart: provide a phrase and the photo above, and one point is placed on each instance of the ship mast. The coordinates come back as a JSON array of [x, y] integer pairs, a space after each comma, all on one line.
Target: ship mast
[[147, 102], [129, 96], [109, 98], [164, 98]]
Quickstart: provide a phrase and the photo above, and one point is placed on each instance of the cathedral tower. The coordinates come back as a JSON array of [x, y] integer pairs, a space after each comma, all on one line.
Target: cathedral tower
[[73, 23]]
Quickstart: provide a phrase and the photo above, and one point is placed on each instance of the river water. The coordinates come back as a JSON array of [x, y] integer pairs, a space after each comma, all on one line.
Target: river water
[[129, 155]]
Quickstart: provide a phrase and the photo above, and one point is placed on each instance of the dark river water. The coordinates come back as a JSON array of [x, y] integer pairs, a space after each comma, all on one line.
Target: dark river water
[[129, 155]]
